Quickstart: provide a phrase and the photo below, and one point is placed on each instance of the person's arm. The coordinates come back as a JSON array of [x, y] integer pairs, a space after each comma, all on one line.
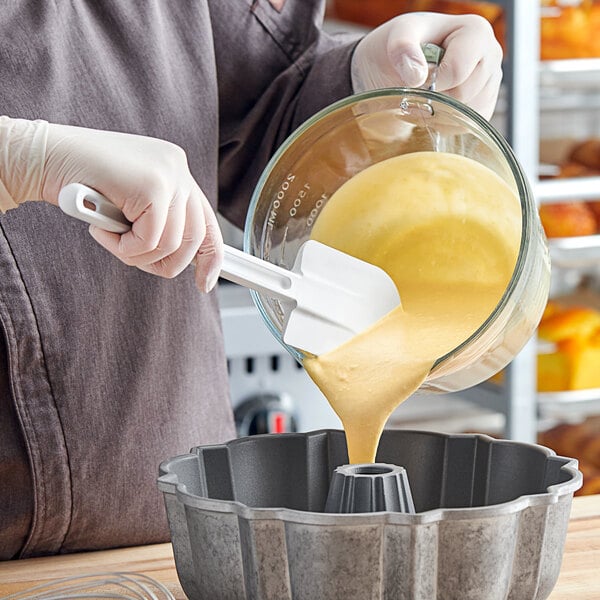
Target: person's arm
[[276, 69], [172, 221], [22, 150]]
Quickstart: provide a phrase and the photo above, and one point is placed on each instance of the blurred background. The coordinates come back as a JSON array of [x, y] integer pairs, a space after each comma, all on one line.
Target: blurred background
[[549, 110]]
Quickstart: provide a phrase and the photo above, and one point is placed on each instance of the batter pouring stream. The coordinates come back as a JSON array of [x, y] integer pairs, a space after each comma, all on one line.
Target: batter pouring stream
[[447, 230]]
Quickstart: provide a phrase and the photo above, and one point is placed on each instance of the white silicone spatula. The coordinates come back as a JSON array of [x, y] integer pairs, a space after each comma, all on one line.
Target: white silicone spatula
[[332, 295]]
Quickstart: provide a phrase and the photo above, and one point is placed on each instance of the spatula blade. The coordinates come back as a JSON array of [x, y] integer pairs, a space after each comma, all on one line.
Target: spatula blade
[[339, 297]]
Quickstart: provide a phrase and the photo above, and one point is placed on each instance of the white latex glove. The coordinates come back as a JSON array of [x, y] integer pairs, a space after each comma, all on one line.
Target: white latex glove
[[471, 70], [147, 178]]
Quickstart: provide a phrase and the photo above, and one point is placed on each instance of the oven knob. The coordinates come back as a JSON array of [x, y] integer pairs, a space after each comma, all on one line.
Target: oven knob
[[265, 413]]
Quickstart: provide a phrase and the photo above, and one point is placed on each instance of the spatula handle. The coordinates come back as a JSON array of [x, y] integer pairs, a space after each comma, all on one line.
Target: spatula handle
[[260, 275], [86, 204]]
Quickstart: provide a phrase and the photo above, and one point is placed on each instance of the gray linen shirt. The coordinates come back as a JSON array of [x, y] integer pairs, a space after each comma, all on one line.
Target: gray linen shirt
[[106, 370]]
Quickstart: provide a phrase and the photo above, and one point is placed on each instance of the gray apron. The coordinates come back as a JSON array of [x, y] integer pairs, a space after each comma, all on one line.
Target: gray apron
[[105, 370]]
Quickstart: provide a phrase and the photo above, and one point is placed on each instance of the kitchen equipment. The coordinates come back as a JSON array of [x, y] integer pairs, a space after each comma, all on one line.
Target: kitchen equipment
[[247, 520], [119, 585], [263, 376], [330, 296], [353, 134]]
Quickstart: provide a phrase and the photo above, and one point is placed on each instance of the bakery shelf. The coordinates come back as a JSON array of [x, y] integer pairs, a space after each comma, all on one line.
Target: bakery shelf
[[568, 406], [560, 190], [570, 397], [571, 252], [562, 88], [489, 395], [486, 395], [581, 73], [575, 252]]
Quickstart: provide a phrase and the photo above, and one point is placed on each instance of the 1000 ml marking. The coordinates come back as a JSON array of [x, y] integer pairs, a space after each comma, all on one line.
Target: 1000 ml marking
[[316, 210]]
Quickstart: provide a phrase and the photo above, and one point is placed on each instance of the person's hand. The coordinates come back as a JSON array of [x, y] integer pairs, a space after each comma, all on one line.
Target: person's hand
[[147, 178], [470, 71]]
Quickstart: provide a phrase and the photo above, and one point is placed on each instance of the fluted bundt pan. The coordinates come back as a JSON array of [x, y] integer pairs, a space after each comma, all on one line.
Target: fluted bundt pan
[[247, 520]]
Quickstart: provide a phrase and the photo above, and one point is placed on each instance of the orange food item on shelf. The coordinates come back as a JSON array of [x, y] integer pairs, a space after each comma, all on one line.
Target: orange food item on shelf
[[574, 364], [587, 154], [590, 452], [591, 480], [372, 13], [375, 12], [551, 309], [575, 169], [580, 441], [569, 323], [575, 217], [569, 30], [584, 360], [567, 219], [567, 439], [594, 206], [552, 372]]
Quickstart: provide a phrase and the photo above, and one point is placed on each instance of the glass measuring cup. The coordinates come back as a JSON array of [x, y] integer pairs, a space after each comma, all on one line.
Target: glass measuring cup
[[359, 131]]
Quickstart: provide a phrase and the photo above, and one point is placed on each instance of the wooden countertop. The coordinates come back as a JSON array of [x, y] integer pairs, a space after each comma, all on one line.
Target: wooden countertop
[[579, 577]]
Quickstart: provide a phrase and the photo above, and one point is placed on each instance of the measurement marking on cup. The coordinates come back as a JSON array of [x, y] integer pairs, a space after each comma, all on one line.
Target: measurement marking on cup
[[285, 186], [316, 210], [298, 200]]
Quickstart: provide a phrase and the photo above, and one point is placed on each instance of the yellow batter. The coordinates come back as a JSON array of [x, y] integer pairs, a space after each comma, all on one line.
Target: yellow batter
[[447, 230]]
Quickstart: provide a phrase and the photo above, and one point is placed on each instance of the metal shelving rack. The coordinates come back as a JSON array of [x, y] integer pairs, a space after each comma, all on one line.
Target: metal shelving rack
[[517, 397], [524, 77]]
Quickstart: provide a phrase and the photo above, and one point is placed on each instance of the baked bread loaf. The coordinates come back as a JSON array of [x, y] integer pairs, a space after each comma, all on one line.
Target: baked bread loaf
[[586, 154], [568, 219], [570, 31], [580, 441]]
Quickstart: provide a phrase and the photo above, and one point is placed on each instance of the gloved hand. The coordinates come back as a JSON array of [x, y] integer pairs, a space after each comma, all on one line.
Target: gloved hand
[[471, 70], [147, 178]]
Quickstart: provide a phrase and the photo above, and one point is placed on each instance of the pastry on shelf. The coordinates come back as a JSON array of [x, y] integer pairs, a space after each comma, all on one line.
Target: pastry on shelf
[[568, 219], [576, 169], [553, 372], [570, 29], [561, 324], [590, 449], [573, 360], [591, 480], [587, 154], [566, 438], [372, 13], [574, 217], [580, 441]]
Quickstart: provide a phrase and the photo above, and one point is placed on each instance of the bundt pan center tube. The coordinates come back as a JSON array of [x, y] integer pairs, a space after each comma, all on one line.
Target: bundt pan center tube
[[247, 519]]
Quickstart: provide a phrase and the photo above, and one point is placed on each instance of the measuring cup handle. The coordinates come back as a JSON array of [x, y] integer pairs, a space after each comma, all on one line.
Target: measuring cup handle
[[433, 55]]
